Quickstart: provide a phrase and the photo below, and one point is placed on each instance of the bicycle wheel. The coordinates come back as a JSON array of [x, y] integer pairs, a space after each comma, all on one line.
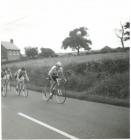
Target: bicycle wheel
[[4, 90], [17, 90], [46, 93], [60, 94], [25, 92], [9, 86]]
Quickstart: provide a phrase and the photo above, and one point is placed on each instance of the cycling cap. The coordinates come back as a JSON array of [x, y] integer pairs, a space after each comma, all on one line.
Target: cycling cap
[[23, 68], [58, 64]]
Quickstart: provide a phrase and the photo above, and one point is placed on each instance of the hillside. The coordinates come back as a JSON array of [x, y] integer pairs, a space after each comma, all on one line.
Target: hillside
[[67, 60], [99, 77]]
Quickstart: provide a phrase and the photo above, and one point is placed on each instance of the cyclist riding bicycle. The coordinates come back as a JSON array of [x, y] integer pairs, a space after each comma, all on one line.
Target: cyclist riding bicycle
[[21, 76], [6, 74], [3, 73], [54, 73]]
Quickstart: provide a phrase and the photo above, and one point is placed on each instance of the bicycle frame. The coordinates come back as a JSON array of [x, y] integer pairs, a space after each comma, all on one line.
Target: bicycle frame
[[5, 83], [58, 91], [21, 87]]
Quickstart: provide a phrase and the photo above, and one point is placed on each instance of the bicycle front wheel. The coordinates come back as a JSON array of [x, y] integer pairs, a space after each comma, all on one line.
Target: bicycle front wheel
[[46, 93], [60, 95]]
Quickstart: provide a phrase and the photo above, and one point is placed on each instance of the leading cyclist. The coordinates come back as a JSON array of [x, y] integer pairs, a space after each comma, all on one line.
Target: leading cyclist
[[55, 72]]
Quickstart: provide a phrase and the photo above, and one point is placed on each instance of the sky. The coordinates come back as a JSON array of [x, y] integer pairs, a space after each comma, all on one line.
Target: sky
[[46, 23]]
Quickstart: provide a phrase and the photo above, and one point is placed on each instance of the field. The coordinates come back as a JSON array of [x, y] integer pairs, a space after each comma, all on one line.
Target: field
[[99, 77], [47, 62]]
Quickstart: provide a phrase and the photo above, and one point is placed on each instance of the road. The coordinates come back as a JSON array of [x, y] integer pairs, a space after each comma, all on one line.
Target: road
[[33, 118]]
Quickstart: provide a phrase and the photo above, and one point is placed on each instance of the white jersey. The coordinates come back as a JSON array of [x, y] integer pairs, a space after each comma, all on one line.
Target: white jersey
[[21, 75], [55, 71]]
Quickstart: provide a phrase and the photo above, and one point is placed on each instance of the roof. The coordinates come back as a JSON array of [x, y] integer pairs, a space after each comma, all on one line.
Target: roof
[[9, 46]]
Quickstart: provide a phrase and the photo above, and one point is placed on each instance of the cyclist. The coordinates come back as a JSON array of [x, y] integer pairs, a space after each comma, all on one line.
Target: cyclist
[[6, 76], [9, 74], [21, 76], [3, 73], [55, 72]]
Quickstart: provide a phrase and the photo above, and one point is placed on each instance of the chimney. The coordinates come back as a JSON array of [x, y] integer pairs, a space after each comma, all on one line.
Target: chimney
[[11, 41]]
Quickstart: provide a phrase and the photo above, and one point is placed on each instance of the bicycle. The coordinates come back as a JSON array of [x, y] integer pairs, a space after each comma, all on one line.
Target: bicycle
[[21, 88], [4, 87], [59, 91]]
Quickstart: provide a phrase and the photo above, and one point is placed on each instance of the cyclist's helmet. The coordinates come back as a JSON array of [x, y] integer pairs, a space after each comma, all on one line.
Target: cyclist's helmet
[[8, 69], [58, 64], [23, 69]]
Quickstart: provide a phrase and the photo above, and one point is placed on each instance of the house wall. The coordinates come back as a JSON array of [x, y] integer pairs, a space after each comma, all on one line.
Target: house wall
[[13, 55], [3, 54]]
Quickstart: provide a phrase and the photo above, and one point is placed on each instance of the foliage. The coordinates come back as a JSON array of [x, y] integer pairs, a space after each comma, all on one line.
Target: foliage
[[77, 41], [31, 52], [106, 49], [123, 33], [105, 78], [47, 52], [116, 85], [127, 31], [109, 66]]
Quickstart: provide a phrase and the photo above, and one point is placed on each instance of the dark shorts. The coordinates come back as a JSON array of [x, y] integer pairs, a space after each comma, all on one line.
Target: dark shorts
[[54, 77]]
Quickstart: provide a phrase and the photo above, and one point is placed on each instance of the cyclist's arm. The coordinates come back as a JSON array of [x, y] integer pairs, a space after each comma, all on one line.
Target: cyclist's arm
[[51, 72], [10, 75], [26, 76], [17, 74], [62, 74]]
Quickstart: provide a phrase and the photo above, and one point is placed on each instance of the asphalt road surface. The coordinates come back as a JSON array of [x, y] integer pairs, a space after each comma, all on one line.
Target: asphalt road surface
[[33, 118]]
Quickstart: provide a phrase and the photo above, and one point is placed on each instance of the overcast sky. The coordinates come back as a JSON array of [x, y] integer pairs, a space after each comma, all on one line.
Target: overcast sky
[[46, 23]]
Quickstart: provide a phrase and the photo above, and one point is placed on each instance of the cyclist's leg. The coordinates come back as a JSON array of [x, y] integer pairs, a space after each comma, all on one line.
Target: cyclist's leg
[[23, 85], [17, 83], [52, 86]]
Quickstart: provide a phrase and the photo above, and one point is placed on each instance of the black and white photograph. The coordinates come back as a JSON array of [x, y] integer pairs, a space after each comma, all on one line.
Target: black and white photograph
[[65, 69]]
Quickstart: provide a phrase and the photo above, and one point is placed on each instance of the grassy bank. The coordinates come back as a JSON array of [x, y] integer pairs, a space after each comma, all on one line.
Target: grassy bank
[[103, 78]]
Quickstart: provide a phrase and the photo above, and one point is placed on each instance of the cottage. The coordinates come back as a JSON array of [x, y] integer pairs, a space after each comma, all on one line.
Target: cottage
[[9, 51]]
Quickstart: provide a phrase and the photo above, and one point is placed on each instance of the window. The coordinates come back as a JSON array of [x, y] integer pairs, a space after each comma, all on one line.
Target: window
[[9, 52]]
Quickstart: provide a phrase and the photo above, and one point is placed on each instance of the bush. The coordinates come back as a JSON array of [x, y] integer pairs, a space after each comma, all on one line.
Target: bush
[[108, 66], [81, 82], [47, 52], [106, 49], [114, 86]]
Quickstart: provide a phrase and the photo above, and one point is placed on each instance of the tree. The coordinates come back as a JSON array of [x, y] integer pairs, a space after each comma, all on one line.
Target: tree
[[31, 52], [124, 33], [77, 39], [127, 31], [106, 49], [47, 52]]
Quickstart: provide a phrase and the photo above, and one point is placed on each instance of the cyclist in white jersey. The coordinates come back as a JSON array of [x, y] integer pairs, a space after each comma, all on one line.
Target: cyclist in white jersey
[[54, 73], [21, 76]]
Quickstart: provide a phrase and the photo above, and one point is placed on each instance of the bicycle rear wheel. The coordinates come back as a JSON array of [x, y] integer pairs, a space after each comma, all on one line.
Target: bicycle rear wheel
[[17, 91], [46, 93], [60, 95], [4, 91], [25, 92]]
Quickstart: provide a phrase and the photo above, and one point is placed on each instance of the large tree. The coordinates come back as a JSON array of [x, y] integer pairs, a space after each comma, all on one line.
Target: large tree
[[77, 39], [123, 33]]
